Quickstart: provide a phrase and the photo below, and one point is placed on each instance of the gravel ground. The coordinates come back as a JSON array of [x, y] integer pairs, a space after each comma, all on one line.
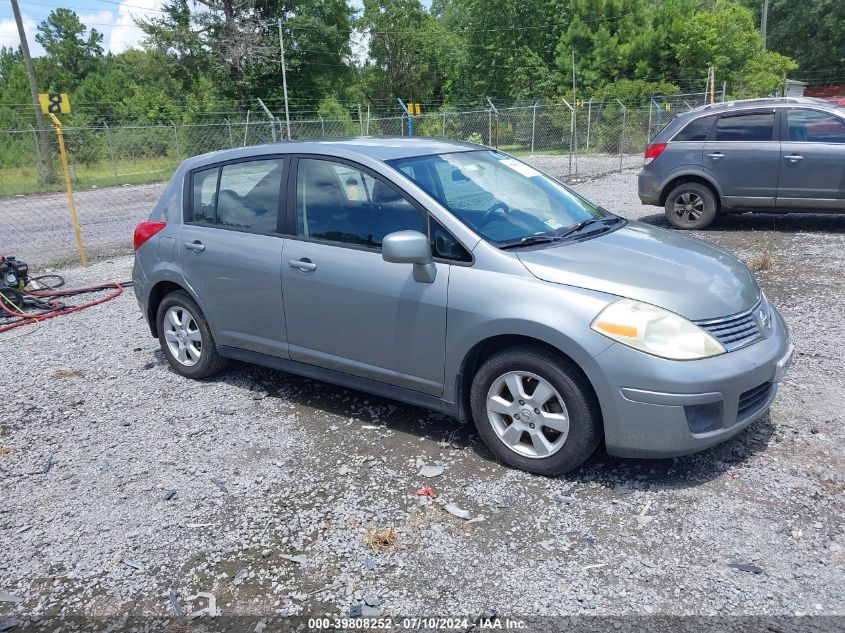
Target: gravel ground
[[122, 483]]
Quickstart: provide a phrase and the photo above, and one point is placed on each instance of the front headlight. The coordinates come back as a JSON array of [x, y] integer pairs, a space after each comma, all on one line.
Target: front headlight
[[655, 331]]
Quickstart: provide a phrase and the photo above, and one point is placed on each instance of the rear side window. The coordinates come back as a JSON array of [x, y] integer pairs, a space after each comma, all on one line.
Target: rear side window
[[205, 193], [239, 195], [815, 127], [696, 130], [754, 126]]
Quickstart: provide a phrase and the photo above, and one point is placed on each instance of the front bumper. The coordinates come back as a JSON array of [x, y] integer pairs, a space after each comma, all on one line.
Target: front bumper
[[654, 407]]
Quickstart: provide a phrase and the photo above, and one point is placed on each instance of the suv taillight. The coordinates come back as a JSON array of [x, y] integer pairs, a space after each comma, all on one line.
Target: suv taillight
[[653, 151], [144, 231]]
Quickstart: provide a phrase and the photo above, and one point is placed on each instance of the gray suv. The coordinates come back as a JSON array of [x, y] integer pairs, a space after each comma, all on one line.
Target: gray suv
[[457, 278], [773, 155]]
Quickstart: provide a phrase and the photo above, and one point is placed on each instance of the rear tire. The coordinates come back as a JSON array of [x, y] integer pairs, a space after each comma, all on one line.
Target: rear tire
[[185, 337], [691, 206], [535, 411]]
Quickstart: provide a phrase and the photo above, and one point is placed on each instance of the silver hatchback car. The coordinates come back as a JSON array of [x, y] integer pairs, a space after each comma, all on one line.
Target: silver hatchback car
[[457, 278]]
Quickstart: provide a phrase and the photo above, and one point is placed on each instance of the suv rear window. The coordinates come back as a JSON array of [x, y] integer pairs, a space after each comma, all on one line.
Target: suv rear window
[[754, 126], [696, 130]]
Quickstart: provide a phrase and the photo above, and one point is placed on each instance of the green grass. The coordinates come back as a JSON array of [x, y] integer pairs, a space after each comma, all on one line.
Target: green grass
[[25, 180], [520, 150]]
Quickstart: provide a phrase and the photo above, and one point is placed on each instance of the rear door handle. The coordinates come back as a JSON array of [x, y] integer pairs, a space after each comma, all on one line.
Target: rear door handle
[[196, 246], [793, 158], [716, 155], [304, 264]]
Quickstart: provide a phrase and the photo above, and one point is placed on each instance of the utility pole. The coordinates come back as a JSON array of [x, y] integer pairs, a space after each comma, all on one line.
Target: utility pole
[[284, 75], [30, 69], [33, 89], [764, 22]]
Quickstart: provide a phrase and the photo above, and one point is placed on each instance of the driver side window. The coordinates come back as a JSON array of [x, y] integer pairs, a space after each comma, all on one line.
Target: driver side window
[[340, 203]]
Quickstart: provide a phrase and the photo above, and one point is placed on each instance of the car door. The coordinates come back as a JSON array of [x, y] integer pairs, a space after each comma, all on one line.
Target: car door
[[742, 154], [812, 167], [347, 309], [231, 250]]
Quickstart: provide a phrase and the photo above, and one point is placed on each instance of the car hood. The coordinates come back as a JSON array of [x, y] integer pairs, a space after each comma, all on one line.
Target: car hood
[[642, 262]]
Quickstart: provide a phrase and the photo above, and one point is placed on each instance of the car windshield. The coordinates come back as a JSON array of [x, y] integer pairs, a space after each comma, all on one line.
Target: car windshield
[[502, 199]]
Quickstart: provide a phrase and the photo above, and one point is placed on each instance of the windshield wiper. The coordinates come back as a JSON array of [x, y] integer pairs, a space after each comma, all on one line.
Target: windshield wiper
[[530, 240], [575, 228]]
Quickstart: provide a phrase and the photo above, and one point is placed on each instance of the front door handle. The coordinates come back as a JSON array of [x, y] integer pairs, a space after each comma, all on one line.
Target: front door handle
[[716, 155], [196, 246], [793, 158], [304, 264]]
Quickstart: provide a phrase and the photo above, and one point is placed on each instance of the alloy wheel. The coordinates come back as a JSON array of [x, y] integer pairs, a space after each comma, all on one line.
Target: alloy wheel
[[689, 206], [527, 414], [183, 336]]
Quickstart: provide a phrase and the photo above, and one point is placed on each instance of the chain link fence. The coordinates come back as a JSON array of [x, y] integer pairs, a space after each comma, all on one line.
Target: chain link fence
[[118, 173]]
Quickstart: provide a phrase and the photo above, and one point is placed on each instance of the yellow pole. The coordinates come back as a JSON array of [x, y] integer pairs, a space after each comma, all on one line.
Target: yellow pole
[[66, 170]]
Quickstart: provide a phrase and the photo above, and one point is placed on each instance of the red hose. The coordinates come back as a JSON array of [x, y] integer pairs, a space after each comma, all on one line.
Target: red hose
[[60, 310]]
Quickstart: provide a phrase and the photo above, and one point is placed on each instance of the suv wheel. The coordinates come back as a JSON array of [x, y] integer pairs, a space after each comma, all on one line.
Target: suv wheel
[[185, 338], [535, 411], [691, 205]]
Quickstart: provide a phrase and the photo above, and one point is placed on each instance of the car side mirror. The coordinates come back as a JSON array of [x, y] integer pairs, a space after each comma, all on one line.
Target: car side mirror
[[410, 247]]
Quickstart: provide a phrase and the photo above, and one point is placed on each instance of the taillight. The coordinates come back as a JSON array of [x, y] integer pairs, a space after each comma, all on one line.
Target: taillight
[[653, 151], [144, 231]]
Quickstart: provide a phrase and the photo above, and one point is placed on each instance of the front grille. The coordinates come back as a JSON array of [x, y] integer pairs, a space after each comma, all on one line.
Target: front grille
[[751, 400], [734, 331]]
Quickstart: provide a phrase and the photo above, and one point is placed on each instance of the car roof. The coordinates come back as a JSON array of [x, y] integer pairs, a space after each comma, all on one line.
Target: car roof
[[711, 109], [382, 148], [745, 104]]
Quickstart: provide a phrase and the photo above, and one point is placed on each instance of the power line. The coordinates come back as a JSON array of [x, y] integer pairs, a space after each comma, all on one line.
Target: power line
[[50, 5]]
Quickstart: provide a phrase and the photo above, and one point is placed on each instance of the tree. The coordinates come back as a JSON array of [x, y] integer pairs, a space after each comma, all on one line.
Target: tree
[[237, 44], [507, 50], [622, 39], [403, 47], [218, 39], [318, 55], [331, 110], [10, 58], [727, 39], [811, 32], [71, 55]]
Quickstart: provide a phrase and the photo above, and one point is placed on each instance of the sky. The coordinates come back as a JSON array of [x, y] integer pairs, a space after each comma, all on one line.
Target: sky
[[113, 18]]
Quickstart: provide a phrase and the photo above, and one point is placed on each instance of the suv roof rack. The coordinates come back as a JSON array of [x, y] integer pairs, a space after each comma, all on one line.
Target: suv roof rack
[[761, 101]]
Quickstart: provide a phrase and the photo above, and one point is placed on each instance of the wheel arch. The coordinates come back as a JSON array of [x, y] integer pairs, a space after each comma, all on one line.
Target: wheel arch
[[680, 179], [157, 293], [485, 348]]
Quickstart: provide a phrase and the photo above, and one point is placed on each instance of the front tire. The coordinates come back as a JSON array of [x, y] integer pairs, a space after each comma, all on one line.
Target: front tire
[[185, 337], [691, 206], [535, 411]]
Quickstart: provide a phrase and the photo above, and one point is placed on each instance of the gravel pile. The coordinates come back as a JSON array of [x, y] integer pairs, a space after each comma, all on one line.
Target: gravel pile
[[125, 489]]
